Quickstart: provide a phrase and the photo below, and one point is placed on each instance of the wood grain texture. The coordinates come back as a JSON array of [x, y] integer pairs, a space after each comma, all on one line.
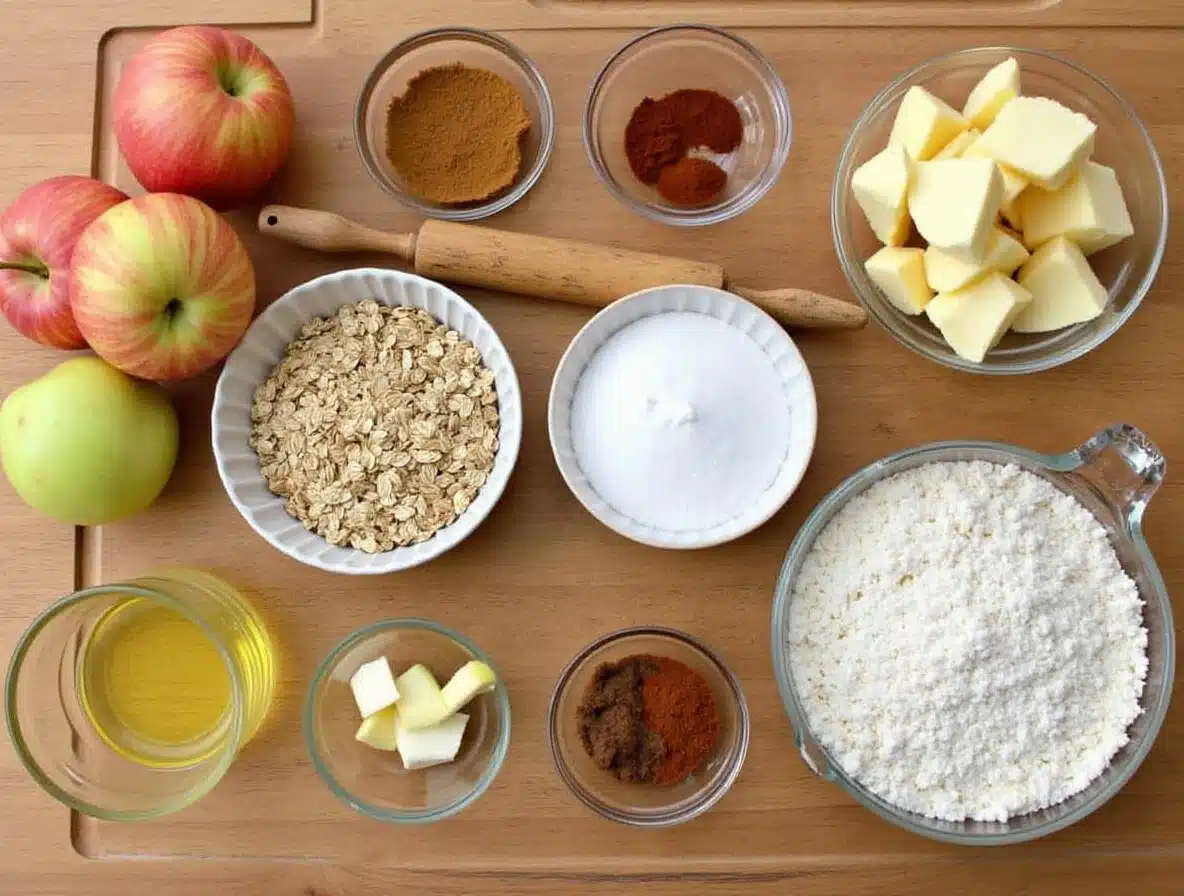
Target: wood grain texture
[[540, 577]]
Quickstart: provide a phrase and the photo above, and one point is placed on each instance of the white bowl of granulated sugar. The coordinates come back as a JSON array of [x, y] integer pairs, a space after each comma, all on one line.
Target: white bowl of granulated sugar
[[682, 417], [368, 421]]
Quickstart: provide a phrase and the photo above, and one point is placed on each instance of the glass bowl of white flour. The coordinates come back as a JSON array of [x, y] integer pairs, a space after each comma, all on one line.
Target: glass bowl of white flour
[[973, 639]]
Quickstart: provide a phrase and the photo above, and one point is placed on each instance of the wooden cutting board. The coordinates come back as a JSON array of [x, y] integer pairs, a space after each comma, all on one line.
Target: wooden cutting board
[[540, 577]]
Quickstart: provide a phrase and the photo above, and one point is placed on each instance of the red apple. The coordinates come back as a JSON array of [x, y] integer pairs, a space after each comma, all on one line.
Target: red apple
[[37, 236], [203, 111], [162, 287]]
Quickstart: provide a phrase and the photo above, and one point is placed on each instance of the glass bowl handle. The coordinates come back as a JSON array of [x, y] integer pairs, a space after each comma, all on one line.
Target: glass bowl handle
[[813, 756], [1125, 466]]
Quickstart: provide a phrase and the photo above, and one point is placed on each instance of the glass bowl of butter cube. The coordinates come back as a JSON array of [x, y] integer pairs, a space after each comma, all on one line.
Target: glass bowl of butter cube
[[407, 721], [999, 210]]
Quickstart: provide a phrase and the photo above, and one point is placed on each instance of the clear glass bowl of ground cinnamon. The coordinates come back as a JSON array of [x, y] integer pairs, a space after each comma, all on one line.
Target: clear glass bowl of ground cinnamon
[[648, 726], [456, 123], [688, 125]]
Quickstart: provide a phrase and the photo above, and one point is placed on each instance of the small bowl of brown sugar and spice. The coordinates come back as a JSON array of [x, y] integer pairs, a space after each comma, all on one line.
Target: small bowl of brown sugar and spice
[[648, 727], [688, 125], [456, 123]]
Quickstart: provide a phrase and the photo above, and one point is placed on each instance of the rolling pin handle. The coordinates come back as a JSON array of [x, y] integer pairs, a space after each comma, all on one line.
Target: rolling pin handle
[[327, 232], [803, 308]]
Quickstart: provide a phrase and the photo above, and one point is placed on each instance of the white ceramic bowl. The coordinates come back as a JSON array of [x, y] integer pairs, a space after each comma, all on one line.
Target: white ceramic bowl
[[263, 346], [737, 313]]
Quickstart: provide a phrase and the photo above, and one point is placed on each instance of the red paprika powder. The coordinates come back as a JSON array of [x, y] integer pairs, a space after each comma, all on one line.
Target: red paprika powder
[[678, 705], [661, 132]]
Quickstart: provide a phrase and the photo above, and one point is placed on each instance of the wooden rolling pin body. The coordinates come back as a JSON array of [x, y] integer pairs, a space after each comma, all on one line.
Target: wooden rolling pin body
[[543, 267]]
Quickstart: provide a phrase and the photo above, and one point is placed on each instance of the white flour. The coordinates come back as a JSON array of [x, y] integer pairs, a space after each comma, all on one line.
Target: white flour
[[965, 642], [680, 421]]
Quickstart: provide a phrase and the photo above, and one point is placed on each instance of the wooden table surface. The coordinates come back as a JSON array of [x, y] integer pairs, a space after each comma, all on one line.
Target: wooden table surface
[[540, 578]]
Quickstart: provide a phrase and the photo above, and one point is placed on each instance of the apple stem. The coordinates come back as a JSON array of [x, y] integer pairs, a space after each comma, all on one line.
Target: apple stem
[[32, 268]]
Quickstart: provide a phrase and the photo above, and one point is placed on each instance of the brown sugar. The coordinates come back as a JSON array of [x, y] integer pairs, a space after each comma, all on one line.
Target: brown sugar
[[455, 135], [611, 721]]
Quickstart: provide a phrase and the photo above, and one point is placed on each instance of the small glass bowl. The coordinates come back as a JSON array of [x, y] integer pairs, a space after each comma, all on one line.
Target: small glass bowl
[[647, 805], [700, 57], [374, 782], [442, 46], [1127, 269]]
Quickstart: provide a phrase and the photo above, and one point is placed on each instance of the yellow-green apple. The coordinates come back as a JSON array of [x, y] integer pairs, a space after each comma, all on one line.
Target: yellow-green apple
[[37, 236], [87, 444], [203, 111], [161, 286]]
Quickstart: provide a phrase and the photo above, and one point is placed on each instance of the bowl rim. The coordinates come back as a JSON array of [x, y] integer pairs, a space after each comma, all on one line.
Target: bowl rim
[[849, 260], [325, 667], [696, 217], [650, 300], [395, 560], [831, 771], [545, 125], [704, 801]]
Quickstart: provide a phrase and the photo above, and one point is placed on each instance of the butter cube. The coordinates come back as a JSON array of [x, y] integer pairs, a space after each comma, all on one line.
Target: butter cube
[[945, 272], [954, 202], [974, 319], [374, 687], [1065, 290], [998, 87], [900, 275], [1014, 183], [1041, 139], [425, 747], [881, 187], [924, 124], [956, 147], [1089, 210]]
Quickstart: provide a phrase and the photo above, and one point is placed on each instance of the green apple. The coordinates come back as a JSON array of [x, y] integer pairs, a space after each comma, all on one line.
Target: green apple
[[87, 444]]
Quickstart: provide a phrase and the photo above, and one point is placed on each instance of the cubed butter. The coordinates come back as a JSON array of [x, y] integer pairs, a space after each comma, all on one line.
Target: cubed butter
[[957, 146], [374, 687], [1089, 210], [954, 202], [924, 124], [1065, 290], [900, 275], [425, 747], [945, 272], [421, 703], [881, 187], [470, 680], [1041, 139], [378, 730], [998, 87], [1014, 183], [973, 319]]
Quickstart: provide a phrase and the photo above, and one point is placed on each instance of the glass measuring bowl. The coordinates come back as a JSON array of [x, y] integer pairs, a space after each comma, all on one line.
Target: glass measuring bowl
[[1114, 475], [93, 752]]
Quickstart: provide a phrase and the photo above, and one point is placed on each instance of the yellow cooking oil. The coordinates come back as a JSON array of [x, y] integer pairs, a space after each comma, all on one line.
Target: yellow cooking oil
[[155, 682]]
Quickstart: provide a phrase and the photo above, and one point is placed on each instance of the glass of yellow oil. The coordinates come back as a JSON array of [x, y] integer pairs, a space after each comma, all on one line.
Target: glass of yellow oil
[[131, 700]]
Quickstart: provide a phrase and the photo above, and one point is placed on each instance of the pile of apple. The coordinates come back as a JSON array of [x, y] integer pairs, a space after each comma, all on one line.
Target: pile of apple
[[160, 287]]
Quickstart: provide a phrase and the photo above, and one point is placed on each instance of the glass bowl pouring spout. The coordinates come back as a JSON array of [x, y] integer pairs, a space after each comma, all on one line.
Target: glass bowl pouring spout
[[1114, 475]]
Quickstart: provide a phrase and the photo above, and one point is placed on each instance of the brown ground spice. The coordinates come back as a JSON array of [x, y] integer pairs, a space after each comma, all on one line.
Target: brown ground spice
[[455, 135], [691, 181], [611, 721]]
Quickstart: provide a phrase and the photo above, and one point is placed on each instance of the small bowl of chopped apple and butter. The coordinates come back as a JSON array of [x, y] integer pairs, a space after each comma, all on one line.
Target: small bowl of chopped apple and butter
[[407, 721], [999, 210]]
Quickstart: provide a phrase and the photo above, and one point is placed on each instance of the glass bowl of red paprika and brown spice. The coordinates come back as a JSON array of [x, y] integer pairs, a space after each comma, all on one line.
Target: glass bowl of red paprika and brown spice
[[688, 125], [456, 123], [648, 727]]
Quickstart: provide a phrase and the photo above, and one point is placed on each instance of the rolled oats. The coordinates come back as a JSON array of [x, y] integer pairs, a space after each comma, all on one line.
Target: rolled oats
[[379, 426]]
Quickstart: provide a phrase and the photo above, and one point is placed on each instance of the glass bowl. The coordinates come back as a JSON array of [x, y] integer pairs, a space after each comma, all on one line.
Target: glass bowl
[[374, 782], [1113, 475], [441, 46], [647, 805], [689, 56], [1127, 269]]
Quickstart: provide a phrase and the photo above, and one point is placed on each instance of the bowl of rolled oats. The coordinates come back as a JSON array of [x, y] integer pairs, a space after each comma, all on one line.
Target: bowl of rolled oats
[[368, 421]]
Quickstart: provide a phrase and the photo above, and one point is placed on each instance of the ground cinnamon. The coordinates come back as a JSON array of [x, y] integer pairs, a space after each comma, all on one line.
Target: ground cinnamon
[[455, 135], [691, 181], [679, 707]]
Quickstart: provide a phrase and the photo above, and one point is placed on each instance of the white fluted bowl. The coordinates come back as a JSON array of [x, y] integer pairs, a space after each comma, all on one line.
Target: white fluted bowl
[[263, 347], [735, 312]]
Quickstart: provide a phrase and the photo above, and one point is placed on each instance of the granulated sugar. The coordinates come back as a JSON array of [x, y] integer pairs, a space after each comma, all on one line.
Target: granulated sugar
[[965, 643], [680, 421]]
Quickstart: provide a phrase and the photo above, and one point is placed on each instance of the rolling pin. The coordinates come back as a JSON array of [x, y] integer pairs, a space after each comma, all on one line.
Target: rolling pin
[[543, 267]]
